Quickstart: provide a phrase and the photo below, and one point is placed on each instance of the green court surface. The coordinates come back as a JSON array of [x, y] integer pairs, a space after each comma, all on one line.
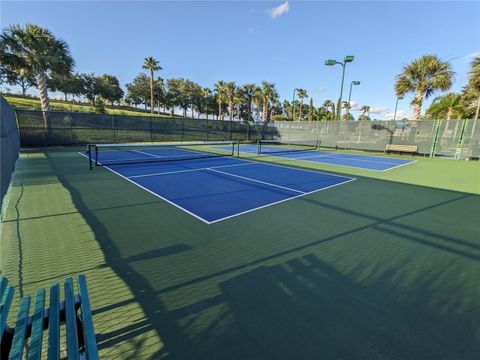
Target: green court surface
[[384, 267]]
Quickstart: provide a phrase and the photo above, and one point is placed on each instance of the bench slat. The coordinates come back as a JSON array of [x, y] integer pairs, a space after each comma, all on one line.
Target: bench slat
[[35, 351], [71, 321], [5, 303], [18, 342], [54, 323], [34, 326], [88, 329]]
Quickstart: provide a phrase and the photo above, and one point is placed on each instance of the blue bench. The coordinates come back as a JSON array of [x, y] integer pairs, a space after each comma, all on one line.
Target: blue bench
[[74, 311]]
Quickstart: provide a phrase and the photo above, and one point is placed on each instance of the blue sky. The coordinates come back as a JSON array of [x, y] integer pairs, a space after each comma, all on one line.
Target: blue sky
[[245, 42]]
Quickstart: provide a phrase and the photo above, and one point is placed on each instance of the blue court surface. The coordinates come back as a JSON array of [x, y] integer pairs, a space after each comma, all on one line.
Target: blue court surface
[[332, 158], [218, 188]]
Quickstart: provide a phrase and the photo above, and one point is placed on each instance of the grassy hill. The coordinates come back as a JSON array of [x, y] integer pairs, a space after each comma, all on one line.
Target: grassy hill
[[32, 103]]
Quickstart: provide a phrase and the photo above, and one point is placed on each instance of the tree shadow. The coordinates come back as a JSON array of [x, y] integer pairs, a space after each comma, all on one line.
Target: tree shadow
[[306, 309]]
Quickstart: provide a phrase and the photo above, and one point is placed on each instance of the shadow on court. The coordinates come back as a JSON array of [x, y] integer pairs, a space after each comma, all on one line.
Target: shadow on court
[[365, 272]]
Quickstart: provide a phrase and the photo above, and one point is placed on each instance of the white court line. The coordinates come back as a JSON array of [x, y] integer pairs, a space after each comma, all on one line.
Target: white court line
[[246, 211], [186, 170], [257, 181], [149, 154], [281, 201], [159, 196], [350, 166], [410, 162], [347, 157]]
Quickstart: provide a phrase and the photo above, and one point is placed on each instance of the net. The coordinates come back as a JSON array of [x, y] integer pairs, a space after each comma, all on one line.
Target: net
[[282, 146], [116, 154]]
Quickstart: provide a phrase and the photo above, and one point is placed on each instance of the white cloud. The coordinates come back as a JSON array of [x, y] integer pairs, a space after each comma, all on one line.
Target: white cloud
[[400, 115], [472, 55], [354, 105], [319, 89], [279, 10], [378, 110]]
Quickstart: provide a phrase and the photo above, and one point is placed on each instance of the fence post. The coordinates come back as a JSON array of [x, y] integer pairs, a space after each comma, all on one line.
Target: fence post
[[182, 126], [151, 129], [71, 127], [113, 130], [435, 139], [458, 150], [206, 123]]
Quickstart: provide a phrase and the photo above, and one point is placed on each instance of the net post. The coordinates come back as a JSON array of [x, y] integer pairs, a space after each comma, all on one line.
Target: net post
[[237, 143], [317, 144], [259, 147]]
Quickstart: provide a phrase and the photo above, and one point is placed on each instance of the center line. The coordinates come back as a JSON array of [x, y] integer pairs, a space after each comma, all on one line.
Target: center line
[[145, 153], [187, 170], [258, 181]]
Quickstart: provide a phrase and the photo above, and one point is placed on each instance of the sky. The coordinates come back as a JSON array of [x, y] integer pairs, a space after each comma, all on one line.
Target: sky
[[282, 42]]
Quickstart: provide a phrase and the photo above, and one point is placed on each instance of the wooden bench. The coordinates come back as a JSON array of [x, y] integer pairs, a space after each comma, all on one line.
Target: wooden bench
[[74, 311], [413, 149]]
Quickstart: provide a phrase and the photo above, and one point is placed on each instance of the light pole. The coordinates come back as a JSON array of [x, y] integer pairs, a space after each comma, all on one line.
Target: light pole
[[293, 104], [330, 62], [354, 82], [351, 85], [396, 106]]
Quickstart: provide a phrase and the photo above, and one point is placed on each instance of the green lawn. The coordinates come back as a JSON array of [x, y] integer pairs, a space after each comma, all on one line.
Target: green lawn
[[56, 105], [385, 267]]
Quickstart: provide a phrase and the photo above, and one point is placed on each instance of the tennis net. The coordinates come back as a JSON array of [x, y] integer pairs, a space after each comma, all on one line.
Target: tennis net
[[115, 154], [282, 146]]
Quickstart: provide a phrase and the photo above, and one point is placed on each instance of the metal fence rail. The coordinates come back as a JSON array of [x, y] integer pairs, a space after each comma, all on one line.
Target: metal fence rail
[[9, 148]]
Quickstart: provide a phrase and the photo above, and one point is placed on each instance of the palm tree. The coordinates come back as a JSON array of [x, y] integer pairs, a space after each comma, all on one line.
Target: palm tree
[[207, 92], [365, 109], [347, 106], [230, 90], [287, 108], [35, 50], [151, 64], [248, 92], [220, 89], [446, 107], [238, 99], [302, 94], [423, 76], [266, 94], [474, 81], [330, 104]]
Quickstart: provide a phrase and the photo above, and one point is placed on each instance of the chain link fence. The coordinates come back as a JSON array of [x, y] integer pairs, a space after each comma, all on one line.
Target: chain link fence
[[65, 128], [9, 148], [447, 138]]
